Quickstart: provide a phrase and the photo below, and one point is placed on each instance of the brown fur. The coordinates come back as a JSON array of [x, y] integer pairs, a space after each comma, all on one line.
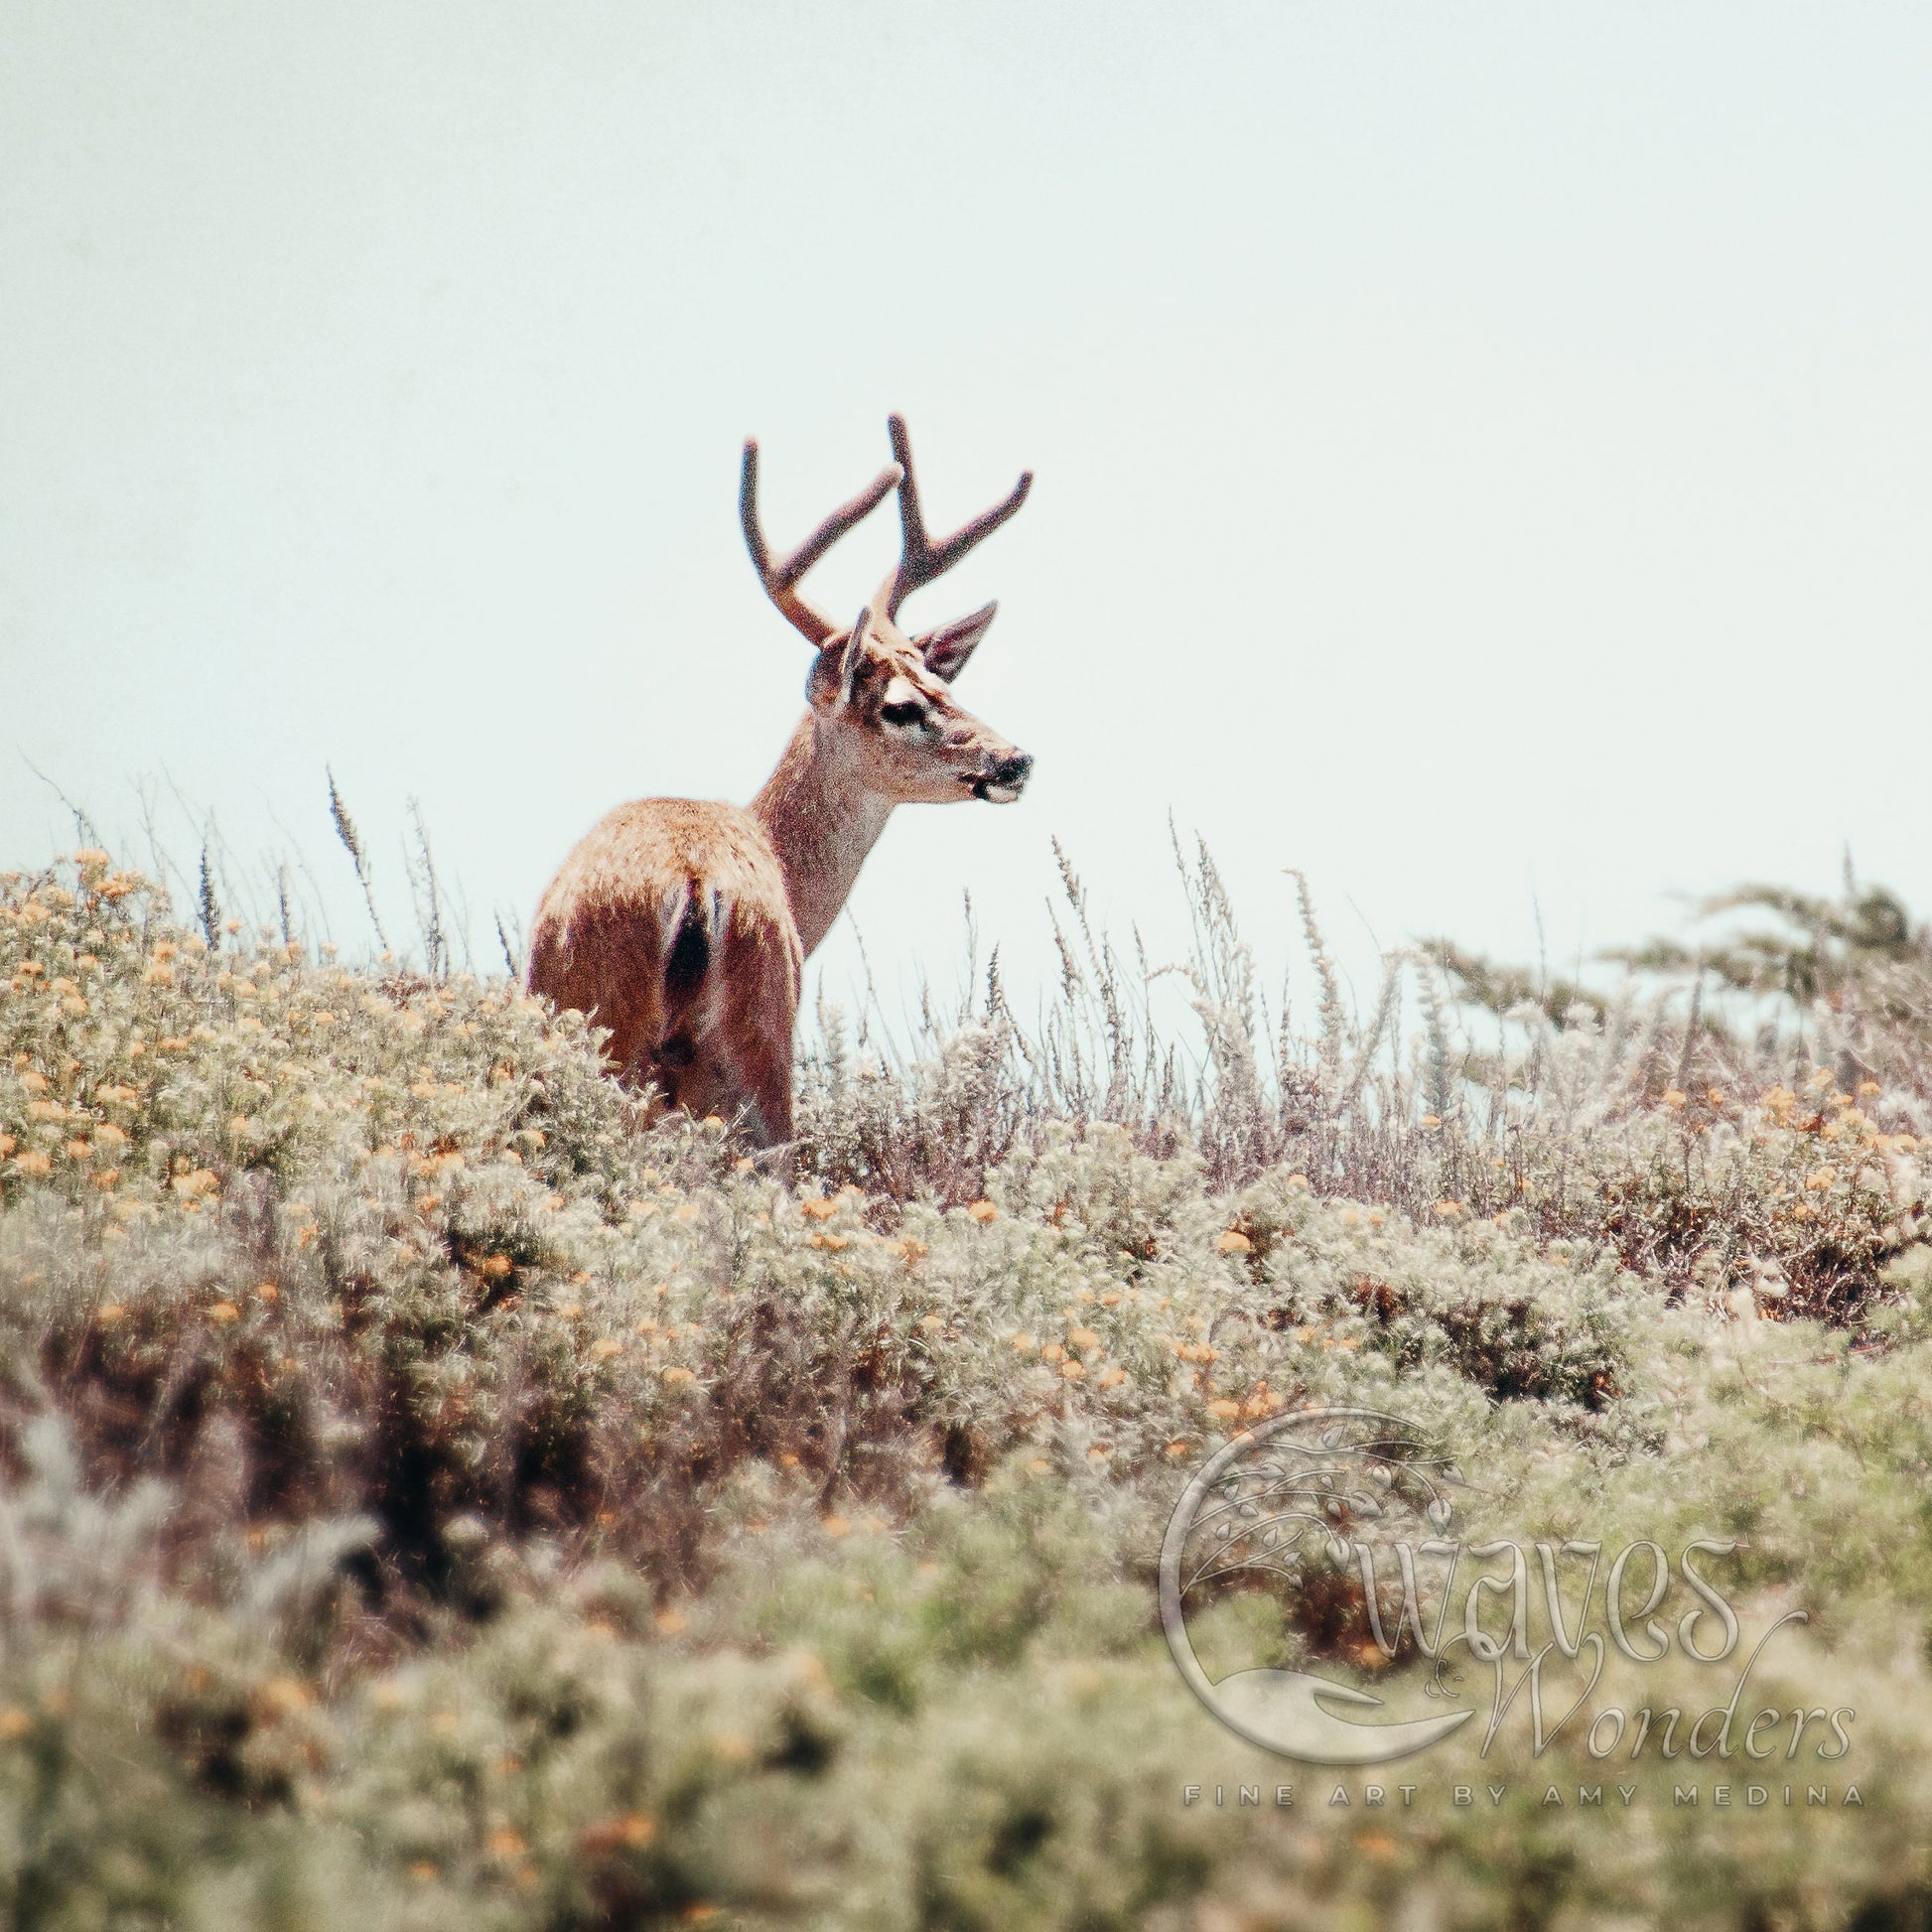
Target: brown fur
[[600, 946]]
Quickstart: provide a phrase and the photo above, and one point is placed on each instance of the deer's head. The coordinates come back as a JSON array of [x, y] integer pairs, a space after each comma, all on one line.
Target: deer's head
[[883, 697]]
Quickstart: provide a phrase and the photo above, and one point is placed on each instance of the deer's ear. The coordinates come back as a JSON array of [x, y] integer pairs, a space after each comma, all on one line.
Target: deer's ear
[[835, 669], [854, 655], [824, 680], [946, 649]]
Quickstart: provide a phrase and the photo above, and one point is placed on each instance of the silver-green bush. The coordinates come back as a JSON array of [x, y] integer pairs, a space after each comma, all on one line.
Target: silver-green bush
[[430, 1497]]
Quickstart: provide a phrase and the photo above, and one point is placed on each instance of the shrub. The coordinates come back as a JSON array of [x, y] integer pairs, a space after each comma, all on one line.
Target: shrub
[[432, 1497]]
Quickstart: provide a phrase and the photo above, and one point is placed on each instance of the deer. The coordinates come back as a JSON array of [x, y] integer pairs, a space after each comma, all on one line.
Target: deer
[[682, 927]]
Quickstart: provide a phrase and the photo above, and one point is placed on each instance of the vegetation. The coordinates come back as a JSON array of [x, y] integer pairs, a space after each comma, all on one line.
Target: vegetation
[[428, 1497]]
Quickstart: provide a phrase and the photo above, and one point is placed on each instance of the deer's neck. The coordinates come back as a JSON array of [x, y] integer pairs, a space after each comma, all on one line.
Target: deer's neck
[[822, 822]]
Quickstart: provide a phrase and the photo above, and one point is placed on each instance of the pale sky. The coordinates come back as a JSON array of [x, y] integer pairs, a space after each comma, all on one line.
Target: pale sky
[[1485, 452]]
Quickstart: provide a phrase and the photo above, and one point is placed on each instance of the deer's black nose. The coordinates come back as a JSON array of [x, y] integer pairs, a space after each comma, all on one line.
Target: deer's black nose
[[1012, 771]]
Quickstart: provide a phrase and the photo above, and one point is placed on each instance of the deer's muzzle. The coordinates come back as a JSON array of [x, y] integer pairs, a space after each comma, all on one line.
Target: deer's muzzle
[[1004, 783]]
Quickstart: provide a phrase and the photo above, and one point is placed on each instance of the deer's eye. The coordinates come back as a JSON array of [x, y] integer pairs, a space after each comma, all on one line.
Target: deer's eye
[[903, 714]]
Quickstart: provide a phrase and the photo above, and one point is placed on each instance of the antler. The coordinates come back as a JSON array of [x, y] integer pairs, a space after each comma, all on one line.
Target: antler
[[920, 559], [780, 575]]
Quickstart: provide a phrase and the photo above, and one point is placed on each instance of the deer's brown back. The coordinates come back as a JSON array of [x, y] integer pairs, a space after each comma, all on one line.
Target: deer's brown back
[[652, 919]]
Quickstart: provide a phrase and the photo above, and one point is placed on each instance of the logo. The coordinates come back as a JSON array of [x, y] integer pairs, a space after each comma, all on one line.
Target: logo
[[1288, 1500], [1343, 1520]]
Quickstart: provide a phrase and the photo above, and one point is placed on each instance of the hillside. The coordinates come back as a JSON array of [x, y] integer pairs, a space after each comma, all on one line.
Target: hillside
[[432, 1498]]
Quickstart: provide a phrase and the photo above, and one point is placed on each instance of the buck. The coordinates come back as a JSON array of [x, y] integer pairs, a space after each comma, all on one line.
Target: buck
[[683, 927]]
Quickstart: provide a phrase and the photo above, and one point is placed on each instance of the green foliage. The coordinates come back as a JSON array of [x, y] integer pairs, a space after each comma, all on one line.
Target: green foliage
[[428, 1497]]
